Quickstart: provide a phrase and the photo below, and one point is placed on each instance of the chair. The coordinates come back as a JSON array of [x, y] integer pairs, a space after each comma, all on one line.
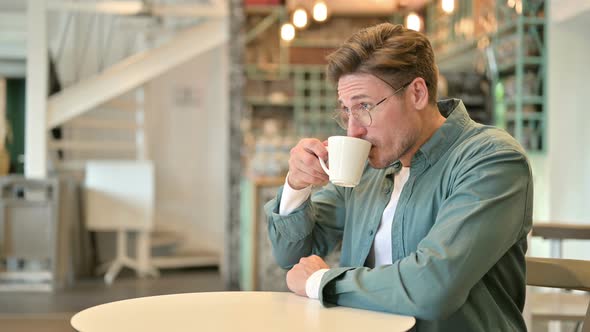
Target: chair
[[557, 231], [560, 273], [120, 198], [559, 306]]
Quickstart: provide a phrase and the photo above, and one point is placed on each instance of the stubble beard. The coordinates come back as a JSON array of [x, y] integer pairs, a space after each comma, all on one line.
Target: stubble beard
[[400, 150]]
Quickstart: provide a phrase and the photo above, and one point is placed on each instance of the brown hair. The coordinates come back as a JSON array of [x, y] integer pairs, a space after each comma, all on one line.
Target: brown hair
[[391, 52]]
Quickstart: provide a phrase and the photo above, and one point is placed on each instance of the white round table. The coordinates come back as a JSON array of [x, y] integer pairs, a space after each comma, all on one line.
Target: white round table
[[232, 311]]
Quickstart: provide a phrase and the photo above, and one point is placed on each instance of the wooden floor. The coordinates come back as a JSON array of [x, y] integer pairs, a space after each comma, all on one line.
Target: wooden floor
[[51, 312]]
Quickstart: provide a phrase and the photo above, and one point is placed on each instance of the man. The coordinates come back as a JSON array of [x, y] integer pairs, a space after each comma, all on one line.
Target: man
[[436, 229]]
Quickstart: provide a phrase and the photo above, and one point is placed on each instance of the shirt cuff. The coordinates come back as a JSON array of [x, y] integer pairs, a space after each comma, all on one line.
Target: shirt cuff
[[292, 198], [313, 283]]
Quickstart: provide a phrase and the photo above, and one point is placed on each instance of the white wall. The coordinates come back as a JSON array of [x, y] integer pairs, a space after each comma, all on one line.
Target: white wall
[[565, 174], [564, 10], [569, 147], [568, 103], [540, 170], [188, 133]]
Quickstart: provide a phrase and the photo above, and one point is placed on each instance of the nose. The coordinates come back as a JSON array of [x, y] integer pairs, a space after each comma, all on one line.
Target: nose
[[355, 129]]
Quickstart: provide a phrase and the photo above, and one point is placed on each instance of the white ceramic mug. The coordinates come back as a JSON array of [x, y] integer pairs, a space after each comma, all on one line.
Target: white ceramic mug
[[347, 157]]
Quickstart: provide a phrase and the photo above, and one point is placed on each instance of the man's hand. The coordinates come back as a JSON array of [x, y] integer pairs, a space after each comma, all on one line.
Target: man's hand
[[298, 275], [304, 167]]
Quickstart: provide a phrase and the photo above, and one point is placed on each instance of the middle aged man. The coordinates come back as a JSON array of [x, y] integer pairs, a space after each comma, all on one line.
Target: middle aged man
[[437, 227]]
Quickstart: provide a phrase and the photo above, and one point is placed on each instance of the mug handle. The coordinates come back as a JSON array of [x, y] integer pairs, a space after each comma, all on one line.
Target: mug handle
[[323, 164]]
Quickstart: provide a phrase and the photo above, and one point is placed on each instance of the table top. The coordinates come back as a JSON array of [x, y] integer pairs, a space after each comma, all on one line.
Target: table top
[[561, 231], [233, 311]]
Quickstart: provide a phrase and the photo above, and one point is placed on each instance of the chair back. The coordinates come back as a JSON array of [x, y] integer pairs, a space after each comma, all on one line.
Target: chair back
[[560, 273]]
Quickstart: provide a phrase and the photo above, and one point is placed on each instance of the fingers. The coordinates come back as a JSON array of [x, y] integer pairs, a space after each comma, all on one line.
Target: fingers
[[298, 275], [304, 167], [314, 146], [313, 263], [305, 174]]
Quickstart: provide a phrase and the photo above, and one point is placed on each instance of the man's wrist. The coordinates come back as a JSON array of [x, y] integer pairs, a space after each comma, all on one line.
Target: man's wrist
[[313, 283], [294, 185], [292, 198]]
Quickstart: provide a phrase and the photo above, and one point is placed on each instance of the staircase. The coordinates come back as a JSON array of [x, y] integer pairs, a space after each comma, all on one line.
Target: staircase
[[100, 113], [114, 130]]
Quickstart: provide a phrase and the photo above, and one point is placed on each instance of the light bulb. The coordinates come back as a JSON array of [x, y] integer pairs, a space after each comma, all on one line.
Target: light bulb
[[300, 18], [413, 22], [287, 32], [518, 7], [320, 11], [448, 6]]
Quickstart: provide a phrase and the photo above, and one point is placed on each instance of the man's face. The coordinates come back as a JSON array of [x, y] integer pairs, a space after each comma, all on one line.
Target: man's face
[[395, 125]]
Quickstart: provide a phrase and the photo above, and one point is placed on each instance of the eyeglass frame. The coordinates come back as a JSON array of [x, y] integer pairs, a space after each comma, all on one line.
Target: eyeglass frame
[[368, 110]]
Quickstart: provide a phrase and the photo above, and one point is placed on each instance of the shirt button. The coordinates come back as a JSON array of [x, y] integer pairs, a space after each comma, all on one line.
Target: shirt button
[[371, 232], [387, 191]]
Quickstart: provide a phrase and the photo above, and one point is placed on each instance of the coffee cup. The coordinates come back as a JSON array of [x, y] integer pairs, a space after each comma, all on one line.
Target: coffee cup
[[347, 157]]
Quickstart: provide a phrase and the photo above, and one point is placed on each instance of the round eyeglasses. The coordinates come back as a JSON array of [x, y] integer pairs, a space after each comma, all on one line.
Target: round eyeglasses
[[361, 113]]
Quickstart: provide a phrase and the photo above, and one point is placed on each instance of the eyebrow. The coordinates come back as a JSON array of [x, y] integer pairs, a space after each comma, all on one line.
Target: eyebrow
[[361, 96]]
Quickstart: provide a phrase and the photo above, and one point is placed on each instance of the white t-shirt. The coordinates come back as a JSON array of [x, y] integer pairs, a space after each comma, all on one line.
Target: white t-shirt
[[380, 253]]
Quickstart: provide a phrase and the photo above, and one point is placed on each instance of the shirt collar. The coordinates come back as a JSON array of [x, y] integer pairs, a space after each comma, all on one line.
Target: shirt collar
[[457, 119], [393, 168]]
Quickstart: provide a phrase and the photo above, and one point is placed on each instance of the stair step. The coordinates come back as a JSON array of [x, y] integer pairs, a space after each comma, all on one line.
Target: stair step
[[71, 165], [78, 164], [93, 146], [87, 123], [164, 240], [182, 259]]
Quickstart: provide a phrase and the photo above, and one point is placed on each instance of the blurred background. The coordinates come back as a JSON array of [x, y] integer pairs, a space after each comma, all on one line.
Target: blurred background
[[140, 139]]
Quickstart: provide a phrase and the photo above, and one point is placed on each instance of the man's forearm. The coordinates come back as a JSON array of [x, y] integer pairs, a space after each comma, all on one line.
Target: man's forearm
[[292, 198]]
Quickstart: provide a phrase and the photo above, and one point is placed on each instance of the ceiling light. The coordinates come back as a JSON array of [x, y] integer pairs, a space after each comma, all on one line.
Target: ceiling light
[[413, 22], [287, 32], [448, 6], [518, 7], [320, 11], [300, 18]]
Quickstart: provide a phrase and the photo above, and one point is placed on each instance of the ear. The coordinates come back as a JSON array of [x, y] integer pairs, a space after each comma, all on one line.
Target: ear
[[419, 93]]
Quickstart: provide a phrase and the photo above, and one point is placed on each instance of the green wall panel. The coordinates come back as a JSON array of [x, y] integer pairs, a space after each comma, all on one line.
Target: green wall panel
[[15, 114]]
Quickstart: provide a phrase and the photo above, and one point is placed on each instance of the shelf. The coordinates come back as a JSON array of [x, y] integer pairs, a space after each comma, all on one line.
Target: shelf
[[528, 62], [509, 26], [530, 116], [261, 9], [457, 49], [268, 181], [527, 100], [266, 101], [534, 20], [327, 43], [518, 44], [255, 73]]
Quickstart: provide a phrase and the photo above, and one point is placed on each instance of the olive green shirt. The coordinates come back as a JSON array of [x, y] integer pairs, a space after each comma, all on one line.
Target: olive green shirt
[[458, 233]]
